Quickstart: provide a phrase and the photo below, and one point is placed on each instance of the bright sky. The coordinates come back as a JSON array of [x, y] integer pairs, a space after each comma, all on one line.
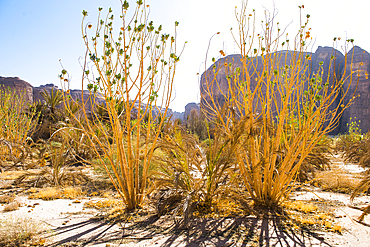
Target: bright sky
[[35, 34]]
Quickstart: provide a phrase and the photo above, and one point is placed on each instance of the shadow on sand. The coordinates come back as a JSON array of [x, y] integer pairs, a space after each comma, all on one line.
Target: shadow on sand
[[226, 232]]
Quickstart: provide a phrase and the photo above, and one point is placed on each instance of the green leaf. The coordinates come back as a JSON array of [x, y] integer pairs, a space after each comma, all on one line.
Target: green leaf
[[125, 5]]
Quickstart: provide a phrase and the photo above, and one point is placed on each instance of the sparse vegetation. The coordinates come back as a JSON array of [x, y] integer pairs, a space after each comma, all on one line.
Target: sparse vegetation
[[20, 232], [242, 155]]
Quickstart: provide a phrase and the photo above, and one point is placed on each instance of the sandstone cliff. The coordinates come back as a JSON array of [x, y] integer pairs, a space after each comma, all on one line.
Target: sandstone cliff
[[322, 54], [20, 86], [361, 83], [189, 107]]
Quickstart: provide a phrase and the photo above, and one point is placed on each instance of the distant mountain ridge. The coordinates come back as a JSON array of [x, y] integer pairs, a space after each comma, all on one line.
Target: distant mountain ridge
[[32, 94], [359, 109]]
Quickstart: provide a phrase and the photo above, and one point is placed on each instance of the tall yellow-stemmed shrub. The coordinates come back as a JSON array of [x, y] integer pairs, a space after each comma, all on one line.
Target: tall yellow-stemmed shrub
[[132, 69], [287, 109]]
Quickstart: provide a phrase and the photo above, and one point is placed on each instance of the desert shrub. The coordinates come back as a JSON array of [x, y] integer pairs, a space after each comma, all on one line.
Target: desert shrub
[[17, 124], [12, 206], [72, 192], [104, 204], [288, 108], [47, 194], [356, 150], [52, 193], [194, 177], [136, 96], [178, 176], [57, 159], [300, 206], [345, 141]]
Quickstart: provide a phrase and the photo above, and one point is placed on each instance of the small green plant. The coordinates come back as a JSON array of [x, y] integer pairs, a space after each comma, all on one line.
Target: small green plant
[[354, 128], [345, 141]]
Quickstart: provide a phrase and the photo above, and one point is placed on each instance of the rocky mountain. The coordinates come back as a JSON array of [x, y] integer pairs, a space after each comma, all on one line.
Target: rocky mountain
[[20, 86], [33, 94], [359, 59], [339, 69]]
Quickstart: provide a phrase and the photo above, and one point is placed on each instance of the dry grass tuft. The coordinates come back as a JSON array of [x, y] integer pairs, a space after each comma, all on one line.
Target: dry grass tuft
[[337, 181], [12, 206], [305, 215], [221, 208], [305, 221], [47, 194], [337, 228], [32, 190], [20, 232], [102, 204], [6, 199], [52, 193], [300, 206], [72, 192], [116, 214]]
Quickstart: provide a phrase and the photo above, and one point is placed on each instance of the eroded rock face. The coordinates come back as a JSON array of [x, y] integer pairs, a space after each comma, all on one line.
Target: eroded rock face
[[335, 65], [20, 86], [177, 115], [189, 107], [360, 108], [226, 88], [338, 71]]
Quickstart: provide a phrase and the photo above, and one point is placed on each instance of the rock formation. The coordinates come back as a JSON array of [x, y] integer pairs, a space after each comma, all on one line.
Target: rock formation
[[33, 94], [20, 87], [338, 70], [188, 108], [360, 80]]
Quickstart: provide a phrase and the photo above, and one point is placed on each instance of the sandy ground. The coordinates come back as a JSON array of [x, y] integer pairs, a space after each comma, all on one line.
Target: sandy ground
[[69, 224]]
